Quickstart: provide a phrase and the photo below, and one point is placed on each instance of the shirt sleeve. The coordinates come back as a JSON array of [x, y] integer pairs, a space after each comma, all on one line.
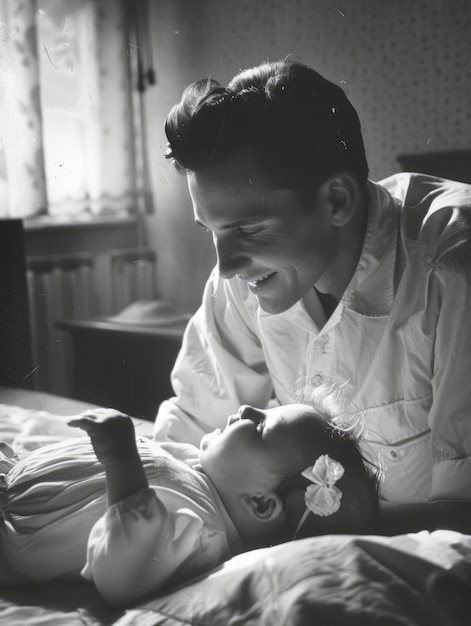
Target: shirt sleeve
[[138, 546], [220, 366], [450, 414]]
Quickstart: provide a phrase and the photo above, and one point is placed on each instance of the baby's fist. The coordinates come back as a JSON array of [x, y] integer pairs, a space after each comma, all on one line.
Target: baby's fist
[[112, 433]]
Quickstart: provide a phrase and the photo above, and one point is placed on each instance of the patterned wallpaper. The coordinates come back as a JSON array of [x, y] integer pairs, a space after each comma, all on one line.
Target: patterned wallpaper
[[405, 64]]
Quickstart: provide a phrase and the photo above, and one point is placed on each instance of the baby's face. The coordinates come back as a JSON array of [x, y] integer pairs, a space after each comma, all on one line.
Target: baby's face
[[250, 453]]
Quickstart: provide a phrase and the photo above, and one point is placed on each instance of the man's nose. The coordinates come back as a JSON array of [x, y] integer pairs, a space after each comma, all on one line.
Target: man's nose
[[247, 412], [231, 254]]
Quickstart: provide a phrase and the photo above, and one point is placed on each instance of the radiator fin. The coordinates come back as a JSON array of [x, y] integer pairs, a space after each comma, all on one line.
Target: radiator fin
[[79, 286]]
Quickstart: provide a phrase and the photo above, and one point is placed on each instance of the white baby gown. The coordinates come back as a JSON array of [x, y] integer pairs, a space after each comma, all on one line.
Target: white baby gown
[[55, 521]]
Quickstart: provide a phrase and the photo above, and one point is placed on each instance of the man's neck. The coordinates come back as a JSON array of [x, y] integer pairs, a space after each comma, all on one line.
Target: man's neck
[[328, 302], [333, 284]]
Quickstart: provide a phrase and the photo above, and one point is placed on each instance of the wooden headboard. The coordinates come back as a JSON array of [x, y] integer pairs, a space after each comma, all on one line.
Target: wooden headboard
[[16, 361], [451, 164]]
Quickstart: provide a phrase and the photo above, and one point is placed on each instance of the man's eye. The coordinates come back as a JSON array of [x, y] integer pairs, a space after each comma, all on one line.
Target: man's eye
[[248, 231]]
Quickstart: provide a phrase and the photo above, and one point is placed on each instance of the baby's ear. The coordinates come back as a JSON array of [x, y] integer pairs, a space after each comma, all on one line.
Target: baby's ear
[[264, 508]]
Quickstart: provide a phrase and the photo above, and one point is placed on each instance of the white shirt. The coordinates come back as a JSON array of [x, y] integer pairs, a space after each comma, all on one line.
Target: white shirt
[[399, 340]]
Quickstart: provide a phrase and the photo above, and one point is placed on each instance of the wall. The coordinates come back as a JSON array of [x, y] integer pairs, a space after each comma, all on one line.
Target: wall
[[405, 65]]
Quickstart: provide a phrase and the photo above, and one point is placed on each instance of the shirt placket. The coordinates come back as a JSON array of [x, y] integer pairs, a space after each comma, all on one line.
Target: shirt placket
[[319, 358]]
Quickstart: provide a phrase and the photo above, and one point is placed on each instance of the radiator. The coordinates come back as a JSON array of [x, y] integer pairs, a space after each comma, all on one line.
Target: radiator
[[79, 286]]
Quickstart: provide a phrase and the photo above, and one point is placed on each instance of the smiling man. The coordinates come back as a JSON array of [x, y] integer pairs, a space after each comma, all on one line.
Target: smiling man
[[324, 276]]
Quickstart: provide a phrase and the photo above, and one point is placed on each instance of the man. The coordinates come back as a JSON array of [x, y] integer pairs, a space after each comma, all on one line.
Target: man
[[324, 277]]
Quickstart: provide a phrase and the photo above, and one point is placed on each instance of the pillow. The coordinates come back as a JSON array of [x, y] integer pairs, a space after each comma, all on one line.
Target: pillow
[[321, 580]]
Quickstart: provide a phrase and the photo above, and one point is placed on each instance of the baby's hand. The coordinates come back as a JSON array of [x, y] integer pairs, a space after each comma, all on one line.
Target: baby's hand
[[112, 433]]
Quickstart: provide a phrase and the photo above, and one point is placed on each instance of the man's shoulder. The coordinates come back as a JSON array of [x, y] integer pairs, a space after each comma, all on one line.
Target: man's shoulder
[[434, 212], [416, 190]]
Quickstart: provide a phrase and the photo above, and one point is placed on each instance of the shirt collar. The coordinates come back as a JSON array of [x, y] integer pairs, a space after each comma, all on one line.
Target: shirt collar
[[371, 289]]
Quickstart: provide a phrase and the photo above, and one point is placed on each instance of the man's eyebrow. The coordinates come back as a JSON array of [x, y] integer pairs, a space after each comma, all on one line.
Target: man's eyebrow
[[244, 221]]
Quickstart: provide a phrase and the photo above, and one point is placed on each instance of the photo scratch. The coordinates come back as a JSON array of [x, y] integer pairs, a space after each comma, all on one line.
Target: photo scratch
[[167, 180], [66, 23], [50, 58]]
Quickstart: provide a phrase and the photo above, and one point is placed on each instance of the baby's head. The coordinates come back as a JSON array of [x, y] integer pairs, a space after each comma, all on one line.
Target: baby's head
[[257, 464]]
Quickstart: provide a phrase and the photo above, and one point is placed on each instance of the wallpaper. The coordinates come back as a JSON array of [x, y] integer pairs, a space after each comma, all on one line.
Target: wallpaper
[[405, 64]]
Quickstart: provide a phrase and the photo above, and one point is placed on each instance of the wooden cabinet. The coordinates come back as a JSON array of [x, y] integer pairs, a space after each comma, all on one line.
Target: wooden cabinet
[[123, 366]]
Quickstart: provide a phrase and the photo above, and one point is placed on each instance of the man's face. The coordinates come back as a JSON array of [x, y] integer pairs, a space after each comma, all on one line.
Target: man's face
[[267, 237]]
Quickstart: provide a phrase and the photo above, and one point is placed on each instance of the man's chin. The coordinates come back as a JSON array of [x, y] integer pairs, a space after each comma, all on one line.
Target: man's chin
[[273, 306]]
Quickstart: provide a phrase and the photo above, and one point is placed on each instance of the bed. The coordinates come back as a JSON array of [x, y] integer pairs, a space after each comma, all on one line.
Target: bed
[[422, 578]]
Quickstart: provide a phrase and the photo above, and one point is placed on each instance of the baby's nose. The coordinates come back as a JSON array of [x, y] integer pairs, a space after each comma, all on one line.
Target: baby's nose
[[247, 412]]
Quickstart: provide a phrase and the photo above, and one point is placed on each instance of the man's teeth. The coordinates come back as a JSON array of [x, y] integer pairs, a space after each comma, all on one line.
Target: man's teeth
[[259, 280]]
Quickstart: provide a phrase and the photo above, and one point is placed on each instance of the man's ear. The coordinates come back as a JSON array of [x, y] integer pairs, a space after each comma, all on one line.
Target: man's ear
[[264, 508], [341, 193]]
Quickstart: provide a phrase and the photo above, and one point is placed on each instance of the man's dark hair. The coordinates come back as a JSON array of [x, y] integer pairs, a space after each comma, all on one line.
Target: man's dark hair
[[299, 126]]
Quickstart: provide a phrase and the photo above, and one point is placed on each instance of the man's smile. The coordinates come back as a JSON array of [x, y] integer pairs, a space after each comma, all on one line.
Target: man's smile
[[257, 283]]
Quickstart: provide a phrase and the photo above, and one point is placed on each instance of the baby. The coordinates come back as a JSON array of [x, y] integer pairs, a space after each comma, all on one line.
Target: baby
[[137, 517]]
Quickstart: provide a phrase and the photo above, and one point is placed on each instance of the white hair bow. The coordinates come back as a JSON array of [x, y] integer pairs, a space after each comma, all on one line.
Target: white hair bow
[[322, 497]]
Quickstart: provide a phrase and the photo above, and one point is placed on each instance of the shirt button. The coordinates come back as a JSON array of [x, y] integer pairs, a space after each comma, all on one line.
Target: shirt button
[[323, 341], [393, 455], [317, 380]]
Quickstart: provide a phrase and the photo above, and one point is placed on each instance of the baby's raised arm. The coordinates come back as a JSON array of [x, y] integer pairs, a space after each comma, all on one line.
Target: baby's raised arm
[[114, 441], [136, 547]]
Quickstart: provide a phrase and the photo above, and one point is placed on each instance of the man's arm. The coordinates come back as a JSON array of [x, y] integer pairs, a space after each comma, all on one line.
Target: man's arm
[[220, 366], [398, 519], [449, 293]]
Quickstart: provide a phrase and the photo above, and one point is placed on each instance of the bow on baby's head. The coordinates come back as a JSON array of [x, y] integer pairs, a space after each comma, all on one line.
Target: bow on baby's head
[[322, 497]]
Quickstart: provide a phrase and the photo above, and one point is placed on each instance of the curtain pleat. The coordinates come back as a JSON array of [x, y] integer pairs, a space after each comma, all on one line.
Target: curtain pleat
[[22, 175]]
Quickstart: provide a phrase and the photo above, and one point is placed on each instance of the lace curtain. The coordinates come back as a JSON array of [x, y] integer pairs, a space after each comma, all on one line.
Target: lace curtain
[[69, 119]]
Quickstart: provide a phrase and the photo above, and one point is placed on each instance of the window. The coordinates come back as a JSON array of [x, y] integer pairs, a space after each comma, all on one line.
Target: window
[[69, 140]]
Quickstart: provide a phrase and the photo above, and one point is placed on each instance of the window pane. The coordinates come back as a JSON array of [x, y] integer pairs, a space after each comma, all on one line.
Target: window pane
[[63, 106], [86, 106]]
